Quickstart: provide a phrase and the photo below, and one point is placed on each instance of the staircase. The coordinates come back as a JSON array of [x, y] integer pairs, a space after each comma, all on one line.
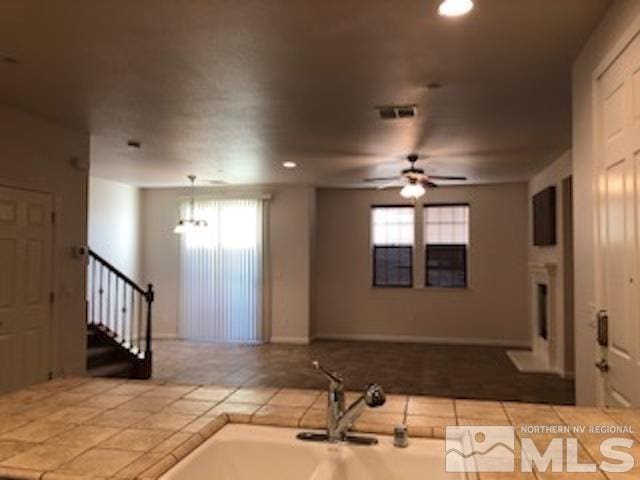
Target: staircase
[[119, 323]]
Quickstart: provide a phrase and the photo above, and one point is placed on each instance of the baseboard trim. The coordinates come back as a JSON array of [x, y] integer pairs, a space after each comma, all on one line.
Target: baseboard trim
[[165, 336], [291, 340], [485, 342]]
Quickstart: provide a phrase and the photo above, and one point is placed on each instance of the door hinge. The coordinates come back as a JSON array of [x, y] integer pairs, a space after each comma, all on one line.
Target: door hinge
[[53, 218], [52, 297]]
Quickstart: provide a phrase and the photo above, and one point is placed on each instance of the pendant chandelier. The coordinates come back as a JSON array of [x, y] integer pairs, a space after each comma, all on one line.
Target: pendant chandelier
[[189, 224]]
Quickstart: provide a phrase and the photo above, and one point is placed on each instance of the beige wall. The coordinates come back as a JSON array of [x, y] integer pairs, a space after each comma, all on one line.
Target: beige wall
[[37, 155], [288, 282], [622, 18], [553, 175], [492, 311], [114, 224]]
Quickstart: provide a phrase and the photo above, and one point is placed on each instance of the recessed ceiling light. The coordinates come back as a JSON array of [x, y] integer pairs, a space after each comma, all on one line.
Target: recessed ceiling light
[[455, 8], [134, 144], [289, 164]]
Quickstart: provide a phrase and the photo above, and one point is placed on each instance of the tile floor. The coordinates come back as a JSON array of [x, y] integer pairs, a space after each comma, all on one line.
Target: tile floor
[[483, 373]]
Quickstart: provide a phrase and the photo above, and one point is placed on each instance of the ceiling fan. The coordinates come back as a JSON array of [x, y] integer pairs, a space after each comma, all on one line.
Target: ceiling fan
[[414, 179]]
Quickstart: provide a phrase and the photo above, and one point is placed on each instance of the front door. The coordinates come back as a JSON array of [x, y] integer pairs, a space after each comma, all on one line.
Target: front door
[[25, 287], [619, 99]]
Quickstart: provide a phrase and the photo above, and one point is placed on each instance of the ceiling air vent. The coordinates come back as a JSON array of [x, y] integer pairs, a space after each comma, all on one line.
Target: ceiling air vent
[[392, 112]]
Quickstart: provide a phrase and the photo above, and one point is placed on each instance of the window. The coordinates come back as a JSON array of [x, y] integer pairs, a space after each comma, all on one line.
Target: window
[[392, 234], [446, 233]]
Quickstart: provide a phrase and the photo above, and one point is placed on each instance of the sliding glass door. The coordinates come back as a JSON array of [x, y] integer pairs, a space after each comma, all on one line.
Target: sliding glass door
[[221, 273]]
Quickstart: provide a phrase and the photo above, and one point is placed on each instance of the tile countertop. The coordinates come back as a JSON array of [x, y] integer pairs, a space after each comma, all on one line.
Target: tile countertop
[[81, 428]]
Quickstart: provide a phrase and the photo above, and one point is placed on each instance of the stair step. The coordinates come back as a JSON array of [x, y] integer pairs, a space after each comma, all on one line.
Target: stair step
[[120, 369], [93, 352]]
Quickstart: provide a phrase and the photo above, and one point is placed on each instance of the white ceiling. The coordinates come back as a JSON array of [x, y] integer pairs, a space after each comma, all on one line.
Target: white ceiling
[[228, 90]]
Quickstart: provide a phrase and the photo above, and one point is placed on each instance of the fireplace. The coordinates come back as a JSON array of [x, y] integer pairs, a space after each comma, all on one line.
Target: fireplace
[[542, 302]]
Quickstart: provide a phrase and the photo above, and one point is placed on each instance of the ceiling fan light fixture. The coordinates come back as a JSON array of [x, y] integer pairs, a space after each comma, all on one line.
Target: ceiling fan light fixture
[[413, 190], [186, 225], [455, 8]]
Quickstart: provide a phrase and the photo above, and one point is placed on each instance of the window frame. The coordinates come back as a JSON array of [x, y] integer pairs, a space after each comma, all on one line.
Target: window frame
[[374, 247], [426, 244]]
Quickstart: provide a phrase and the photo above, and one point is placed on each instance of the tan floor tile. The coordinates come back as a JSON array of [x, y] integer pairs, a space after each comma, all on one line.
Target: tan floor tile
[[10, 448], [68, 399], [279, 416], [166, 421], [133, 470], [131, 388], [190, 407], [489, 421], [429, 426], [187, 447], [106, 401], [146, 404], [20, 473], [43, 457], [258, 396], [96, 386], [10, 422], [36, 432], [157, 470], [83, 436], [314, 418], [75, 415], [290, 397], [60, 384], [171, 443], [197, 425], [481, 410], [170, 391], [136, 440], [100, 462], [117, 418], [438, 407], [38, 412], [394, 404], [210, 393], [237, 412], [373, 417]]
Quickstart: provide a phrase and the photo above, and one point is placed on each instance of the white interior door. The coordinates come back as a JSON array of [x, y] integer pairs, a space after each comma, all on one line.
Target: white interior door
[[25, 286], [619, 99]]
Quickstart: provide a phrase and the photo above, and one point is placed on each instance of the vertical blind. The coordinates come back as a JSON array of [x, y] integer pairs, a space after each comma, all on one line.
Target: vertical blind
[[221, 272]]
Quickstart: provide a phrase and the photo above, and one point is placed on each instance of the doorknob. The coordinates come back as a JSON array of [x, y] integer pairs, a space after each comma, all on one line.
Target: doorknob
[[602, 365]]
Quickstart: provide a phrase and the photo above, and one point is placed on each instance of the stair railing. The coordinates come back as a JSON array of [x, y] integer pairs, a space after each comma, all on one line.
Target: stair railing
[[122, 309]]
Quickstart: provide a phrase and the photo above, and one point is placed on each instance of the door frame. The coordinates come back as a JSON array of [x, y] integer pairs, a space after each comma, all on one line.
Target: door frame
[[53, 324], [597, 170]]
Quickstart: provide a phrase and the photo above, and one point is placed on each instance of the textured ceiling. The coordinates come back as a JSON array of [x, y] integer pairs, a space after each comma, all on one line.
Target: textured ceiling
[[228, 90]]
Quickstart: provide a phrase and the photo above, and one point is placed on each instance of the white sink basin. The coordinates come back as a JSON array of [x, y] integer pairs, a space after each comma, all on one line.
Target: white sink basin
[[249, 452]]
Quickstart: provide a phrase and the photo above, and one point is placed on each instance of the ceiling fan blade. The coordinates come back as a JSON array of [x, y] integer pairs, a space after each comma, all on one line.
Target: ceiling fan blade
[[429, 184], [384, 186], [446, 177], [382, 179]]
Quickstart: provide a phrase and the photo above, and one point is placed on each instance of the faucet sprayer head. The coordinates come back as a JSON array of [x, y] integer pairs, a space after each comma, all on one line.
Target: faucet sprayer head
[[374, 396]]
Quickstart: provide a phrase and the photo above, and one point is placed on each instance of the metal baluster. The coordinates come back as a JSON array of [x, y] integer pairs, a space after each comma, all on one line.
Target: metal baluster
[[116, 330], [93, 290], [132, 290], [139, 323], [101, 292], [124, 312]]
